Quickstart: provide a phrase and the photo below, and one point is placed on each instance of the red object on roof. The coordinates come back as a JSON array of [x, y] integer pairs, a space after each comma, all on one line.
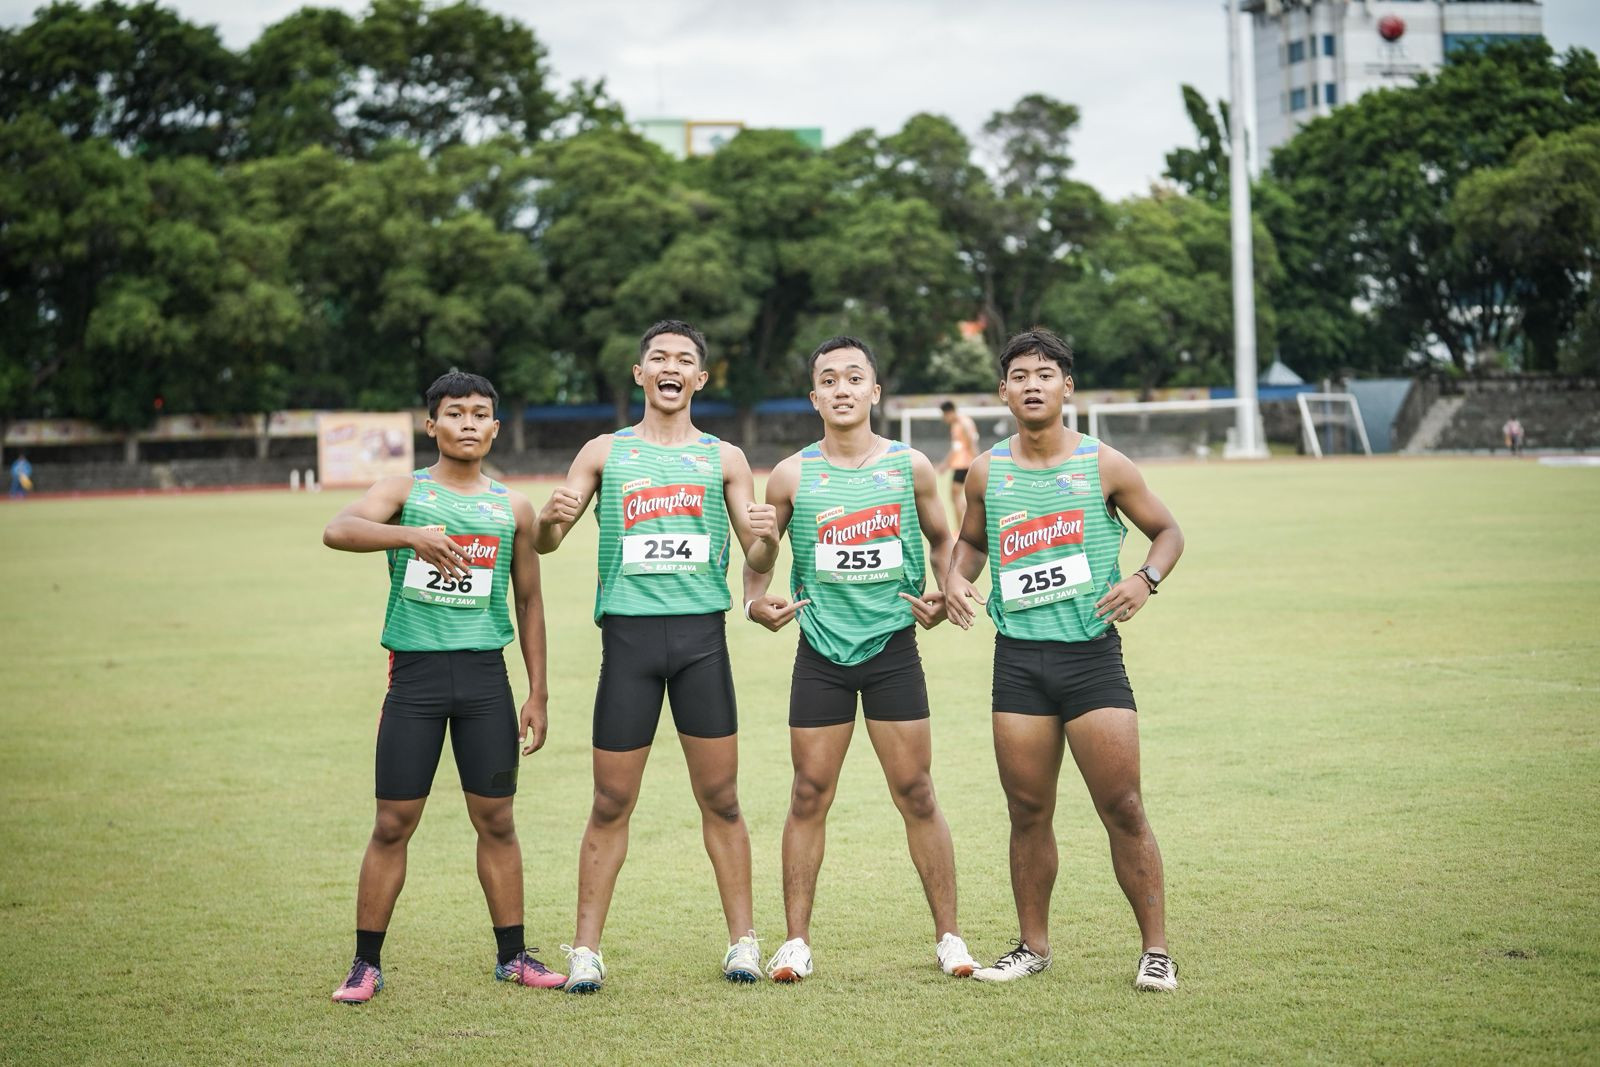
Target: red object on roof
[[1391, 27]]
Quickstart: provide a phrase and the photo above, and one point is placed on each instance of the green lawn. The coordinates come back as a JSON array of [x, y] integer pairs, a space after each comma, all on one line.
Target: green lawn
[[1371, 751]]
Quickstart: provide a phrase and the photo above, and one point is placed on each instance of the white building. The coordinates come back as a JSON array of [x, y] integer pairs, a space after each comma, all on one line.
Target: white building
[[1313, 55]]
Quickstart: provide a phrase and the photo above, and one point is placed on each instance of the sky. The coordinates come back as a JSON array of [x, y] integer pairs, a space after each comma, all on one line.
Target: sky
[[848, 64]]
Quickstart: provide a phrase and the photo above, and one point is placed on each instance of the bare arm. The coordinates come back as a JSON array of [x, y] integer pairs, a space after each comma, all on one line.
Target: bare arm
[[528, 598], [1127, 492], [570, 499], [929, 607], [754, 524], [972, 548], [372, 524], [774, 612]]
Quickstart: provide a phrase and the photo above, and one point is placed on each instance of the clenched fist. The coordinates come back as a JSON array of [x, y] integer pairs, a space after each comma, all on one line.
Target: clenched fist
[[763, 520], [562, 507]]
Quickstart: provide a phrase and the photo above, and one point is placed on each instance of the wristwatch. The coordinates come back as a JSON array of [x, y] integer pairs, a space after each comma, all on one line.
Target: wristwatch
[[1152, 577]]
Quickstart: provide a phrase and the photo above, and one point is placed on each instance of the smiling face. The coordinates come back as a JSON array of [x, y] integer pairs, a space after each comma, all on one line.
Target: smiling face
[[1035, 389], [465, 426], [844, 388], [670, 372]]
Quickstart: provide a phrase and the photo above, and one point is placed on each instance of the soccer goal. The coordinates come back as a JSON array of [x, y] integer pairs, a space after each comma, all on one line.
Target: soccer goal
[[1194, 429], [1330, 425], [924, 428]]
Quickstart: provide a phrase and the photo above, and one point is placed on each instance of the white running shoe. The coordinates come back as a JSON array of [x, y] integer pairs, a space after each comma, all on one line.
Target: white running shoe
[[791, 962], [1157, 973], [954, 959], [586, 971], [743, 961], [1020, 962]]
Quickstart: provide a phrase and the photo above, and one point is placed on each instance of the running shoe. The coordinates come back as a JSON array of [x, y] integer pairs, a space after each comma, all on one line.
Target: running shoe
[[954, 959], [743, 961], [1020, 962], [1157, 973], [791, 962], [523, 969], [586, 971], [362, 984]]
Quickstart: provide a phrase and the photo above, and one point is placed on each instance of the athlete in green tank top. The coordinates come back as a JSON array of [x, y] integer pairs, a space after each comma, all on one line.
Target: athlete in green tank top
[[666, 496], [1045, 509], [461, 558], [857, 508]]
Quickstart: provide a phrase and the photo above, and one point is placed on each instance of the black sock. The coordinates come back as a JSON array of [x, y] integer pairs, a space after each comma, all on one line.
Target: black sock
[[369, 946], [509, 939]]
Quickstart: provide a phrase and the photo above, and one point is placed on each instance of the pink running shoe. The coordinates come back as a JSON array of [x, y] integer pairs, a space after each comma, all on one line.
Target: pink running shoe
[[363, 983], [525, 970]]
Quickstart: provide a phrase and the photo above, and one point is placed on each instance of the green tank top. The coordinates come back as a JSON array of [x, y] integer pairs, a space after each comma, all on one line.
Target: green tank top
[[428, 612], [857, 546], [663, 529], [1053, 546]]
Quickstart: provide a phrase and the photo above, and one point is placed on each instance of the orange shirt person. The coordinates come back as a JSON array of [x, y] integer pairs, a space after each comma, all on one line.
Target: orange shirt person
[[963, 450]]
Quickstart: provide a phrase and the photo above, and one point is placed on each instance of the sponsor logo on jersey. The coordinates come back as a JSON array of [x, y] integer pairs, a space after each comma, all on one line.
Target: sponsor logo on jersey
[[1047, 531], [1009, 484], [481, 549], [696, 462], [1073, 483], [637, 483], [862, 526], [663, 502], [1014, 517], [829, 515], [820, 484]]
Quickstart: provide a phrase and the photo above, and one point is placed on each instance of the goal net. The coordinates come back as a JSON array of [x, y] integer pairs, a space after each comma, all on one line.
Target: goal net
[[1330, 425], [924, 428], [1192, 429]]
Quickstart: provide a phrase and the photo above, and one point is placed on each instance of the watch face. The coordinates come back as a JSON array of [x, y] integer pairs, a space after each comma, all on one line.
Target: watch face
[[1155, 575]]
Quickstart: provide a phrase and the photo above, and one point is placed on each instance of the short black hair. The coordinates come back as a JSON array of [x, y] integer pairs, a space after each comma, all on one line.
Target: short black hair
[[948, 405], [1038, 342], [833, 344], [458, 383], [679, 327]]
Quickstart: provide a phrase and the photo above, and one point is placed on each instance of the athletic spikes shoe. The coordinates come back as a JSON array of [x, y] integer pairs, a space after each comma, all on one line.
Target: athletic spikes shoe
[[1157, 973], [791, 962], [523, 969], [1020, 962], [586, 971], [954, 959], [743, 961], [362, 984]]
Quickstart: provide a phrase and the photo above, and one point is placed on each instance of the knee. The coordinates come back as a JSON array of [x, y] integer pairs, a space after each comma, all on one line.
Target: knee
[[1029, 810], [915, 798], [809, 798], [720, 801], [611, 805], [497, 826], [392, 828], [1124, 814]]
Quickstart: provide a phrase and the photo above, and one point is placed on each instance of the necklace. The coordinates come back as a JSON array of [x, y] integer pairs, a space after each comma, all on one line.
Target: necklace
[[871, 452]]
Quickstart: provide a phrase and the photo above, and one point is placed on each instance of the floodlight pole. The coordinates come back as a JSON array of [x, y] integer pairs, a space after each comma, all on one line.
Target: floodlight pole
[[1244, 293]]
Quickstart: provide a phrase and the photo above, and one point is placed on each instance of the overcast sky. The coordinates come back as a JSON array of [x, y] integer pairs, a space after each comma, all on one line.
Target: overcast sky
[[848, 64]]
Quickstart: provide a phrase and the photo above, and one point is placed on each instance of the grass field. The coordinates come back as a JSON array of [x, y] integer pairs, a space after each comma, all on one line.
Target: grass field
[[1371, 747]]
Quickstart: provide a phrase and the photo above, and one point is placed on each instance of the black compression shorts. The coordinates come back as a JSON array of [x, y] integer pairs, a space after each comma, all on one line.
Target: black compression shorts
[[469, 692], [1065, 678], [643, 657], [958, 475], [891, 685]]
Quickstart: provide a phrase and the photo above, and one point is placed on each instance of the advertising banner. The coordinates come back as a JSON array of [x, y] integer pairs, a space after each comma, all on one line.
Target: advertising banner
[[356, 448]]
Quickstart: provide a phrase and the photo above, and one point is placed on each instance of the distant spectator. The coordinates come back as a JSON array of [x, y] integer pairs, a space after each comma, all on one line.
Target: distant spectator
[[1513, 435], [21, 477]]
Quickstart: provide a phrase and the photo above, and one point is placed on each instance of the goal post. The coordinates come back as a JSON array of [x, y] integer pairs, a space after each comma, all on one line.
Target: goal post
[[1176, 428], [924, 428], [1330, 424]]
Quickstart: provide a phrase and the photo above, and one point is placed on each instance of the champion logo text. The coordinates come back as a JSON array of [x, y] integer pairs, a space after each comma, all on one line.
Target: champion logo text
[[1047, 531], [481, 550], [859, 527], [662, 502]]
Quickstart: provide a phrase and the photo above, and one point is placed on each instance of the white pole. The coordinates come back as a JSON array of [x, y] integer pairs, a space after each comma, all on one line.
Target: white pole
[[1244, 295], [294, 480]]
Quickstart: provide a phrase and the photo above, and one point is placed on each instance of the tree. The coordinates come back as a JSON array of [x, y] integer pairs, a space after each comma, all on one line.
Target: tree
[[1366, 214], [1203, 172]]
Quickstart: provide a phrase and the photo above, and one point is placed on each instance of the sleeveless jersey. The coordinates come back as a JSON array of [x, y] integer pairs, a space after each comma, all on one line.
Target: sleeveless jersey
[[428, 612], [1053, 546], [663, 529], [857, 545]]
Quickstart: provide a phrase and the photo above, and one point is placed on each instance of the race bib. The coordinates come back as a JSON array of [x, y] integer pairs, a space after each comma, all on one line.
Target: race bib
[[665, 553], [881, 562], [1030, 586], [425, 584]]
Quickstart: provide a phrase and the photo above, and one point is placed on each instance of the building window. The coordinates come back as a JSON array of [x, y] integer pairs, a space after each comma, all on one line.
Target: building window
[[1314, 100], [1330, 94], [1297, 51], [1328, 46], [1297, 99]]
